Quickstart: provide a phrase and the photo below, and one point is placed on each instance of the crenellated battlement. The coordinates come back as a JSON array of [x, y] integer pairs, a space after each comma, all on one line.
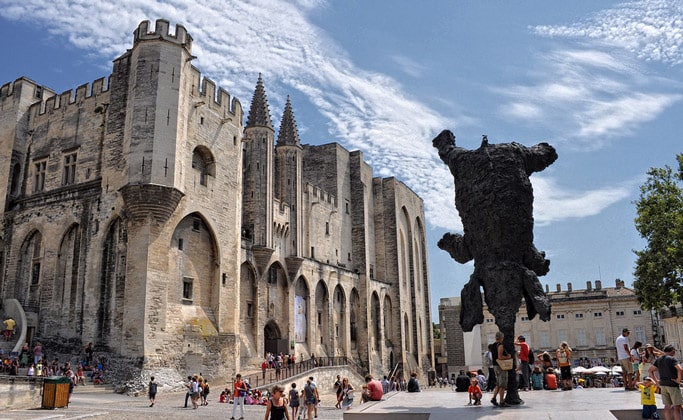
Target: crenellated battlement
[[161, 31], [318, 195], [83, 93], [39, 92], [219, 100]]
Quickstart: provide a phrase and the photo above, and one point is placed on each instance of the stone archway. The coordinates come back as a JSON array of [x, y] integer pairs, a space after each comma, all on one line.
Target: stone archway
[[273, 341]]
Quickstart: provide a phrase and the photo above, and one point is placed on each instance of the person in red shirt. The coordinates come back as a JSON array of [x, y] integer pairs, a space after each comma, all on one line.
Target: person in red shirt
[[524, 361], [475, 392], [374, 389], [550, 379], [239, 392]]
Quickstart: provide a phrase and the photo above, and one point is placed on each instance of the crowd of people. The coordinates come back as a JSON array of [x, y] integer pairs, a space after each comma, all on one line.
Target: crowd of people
[[642, 367]]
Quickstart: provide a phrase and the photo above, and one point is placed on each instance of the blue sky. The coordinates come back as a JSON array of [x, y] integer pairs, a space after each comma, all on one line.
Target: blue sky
[[601, 81]]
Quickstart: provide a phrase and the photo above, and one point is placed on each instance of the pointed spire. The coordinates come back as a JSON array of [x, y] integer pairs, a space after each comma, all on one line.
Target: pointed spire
[[288, 132], [259, 114]]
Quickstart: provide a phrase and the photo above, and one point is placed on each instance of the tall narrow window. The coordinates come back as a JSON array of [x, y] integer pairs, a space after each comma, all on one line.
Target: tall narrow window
[[69, 169], [39, 169], [187, 290]]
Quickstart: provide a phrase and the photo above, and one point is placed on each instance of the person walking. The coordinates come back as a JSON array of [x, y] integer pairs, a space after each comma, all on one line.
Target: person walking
[[670, 374], [347, 394], [625, 359], [276, 406], [152, 391], [294, 401]]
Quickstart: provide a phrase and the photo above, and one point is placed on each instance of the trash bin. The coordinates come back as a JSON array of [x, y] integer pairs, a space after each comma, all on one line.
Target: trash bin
[[56, 392]]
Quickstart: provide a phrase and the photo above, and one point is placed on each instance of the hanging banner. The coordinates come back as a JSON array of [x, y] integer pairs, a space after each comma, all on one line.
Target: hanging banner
[[299, 319]]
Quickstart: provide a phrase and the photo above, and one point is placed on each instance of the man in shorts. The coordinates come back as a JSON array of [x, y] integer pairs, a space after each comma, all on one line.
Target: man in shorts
[[625, 359], [670, 376]]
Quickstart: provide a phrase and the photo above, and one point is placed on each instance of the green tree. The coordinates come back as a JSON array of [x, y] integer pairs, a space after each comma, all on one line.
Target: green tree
[[659, 267], [436, 331]]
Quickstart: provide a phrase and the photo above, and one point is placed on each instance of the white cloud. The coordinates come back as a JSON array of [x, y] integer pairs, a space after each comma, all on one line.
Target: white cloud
[[592, 95], [554, 203], [235, 40], [651, 29]]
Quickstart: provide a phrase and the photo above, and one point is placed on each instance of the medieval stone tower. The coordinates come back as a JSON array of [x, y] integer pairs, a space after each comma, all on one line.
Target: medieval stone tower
[[140, 214]]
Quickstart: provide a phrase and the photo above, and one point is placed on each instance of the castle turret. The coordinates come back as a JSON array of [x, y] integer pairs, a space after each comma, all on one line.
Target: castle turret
[[288, 167], [257, 201]]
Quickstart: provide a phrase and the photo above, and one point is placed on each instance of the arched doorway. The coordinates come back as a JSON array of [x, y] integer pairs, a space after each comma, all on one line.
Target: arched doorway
[[273, 342]]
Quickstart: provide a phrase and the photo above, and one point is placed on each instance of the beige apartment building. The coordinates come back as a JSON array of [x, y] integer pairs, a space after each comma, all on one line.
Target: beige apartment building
[[588, 319]]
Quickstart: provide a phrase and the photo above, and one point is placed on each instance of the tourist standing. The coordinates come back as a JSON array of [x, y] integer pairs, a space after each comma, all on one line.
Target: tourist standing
[[636, 353], [524, 361], [647, 358], [670, 377], [625, 358], [238, 394], [501, 375], [563, 355], [152, 391]]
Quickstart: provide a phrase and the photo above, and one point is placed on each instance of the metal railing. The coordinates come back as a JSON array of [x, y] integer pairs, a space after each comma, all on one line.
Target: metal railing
[[271, 375]]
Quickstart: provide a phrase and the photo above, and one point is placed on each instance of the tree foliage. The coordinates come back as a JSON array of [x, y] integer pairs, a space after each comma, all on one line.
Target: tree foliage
[[659, 267]]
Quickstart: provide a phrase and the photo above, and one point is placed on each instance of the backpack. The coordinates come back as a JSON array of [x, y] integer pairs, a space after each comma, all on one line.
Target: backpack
[[153, 387], [531, 355]]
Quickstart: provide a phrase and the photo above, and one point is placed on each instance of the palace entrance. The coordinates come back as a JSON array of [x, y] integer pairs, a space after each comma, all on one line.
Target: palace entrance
[[274, 342]]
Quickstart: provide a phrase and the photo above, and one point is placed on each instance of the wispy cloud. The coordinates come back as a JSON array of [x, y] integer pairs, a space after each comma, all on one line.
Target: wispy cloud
[[591, 94], [650, 29], [235, 40]]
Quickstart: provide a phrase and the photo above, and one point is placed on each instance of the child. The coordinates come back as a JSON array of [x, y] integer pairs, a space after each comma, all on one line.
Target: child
[[550, 379], [475, 392], [647, 398], [537, 379]]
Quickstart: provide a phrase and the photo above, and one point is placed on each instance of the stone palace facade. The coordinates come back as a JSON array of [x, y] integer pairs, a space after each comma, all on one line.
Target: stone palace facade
[[144, 214]]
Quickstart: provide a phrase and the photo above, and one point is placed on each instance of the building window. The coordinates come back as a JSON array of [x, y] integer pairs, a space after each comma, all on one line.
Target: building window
[[39, 168], [69, 176], [637, 312], [544, 339], [600, 336], [320, 319], [620, 313], [196, 224], [180, 244], [187, 290], [639, 333], [327, 228], [489, 320], [35, 273], [578, 316], [597, 314], [250, 310], [347, 208], [524, 318], [312, 252], [561, 335], [581, 337], [372, 271], [560, 316]]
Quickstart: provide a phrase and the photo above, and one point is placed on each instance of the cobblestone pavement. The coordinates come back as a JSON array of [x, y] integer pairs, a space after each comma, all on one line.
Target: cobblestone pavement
[[443, 404], [168, 407]]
